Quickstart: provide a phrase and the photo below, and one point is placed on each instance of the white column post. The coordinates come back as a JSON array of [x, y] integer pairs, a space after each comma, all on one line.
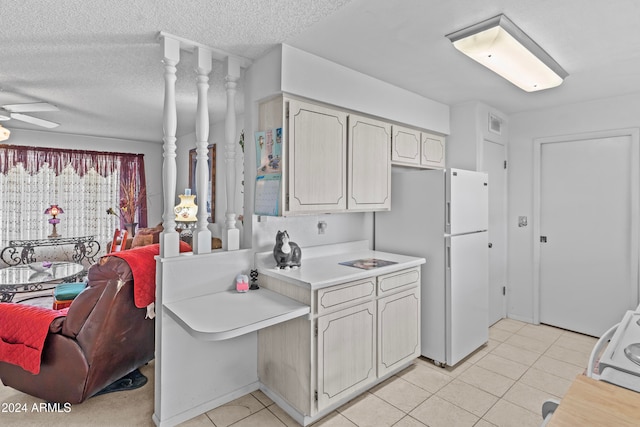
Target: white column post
[[202, 235], [169, 240], [231, 237]]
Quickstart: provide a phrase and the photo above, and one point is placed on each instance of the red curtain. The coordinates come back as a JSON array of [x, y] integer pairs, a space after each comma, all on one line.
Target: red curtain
[[131, 166]]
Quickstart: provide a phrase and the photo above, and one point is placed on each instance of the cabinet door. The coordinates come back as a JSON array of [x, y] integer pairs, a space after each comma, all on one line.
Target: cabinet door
[[317, 158], [369, 170], [398, 329], [432, 150], [405, 146], [346, 352]]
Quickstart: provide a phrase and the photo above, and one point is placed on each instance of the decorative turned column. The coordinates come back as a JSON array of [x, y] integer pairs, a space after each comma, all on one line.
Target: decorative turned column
[[231, 237], [202, 235], [169, 238]]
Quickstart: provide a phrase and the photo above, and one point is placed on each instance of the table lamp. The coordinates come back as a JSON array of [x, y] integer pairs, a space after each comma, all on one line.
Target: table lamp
[[54, 211], [186, 210]]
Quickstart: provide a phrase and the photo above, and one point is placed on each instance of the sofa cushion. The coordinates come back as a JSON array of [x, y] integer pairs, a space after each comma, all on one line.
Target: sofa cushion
[[142, 240], [68, 291], [147, 236]]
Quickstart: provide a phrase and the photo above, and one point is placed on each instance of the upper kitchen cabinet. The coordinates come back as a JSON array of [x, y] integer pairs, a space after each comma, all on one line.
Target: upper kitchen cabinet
[[317, 166], [336, 160], [411, 147], [405, 148], [432, 151], [369, 164]]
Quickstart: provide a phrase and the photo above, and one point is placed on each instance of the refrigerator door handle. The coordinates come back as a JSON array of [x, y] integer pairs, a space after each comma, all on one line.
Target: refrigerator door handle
[[448, 213], [449, 257]]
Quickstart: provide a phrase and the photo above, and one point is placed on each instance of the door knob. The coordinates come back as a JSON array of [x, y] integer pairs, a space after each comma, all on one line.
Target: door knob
[[490, 245]]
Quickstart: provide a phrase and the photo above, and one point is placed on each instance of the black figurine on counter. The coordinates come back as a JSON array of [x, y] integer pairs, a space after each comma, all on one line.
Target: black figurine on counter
[[254, 279], [287, 254]]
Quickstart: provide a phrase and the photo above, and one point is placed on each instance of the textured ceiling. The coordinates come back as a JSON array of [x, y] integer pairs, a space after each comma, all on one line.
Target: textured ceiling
[[99, 61]]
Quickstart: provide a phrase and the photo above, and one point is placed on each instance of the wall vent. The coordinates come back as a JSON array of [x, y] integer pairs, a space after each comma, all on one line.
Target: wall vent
[[495, 124]]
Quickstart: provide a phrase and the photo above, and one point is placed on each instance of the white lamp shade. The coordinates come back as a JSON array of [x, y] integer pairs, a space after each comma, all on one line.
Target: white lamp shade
[[187, 210], [4, 133]]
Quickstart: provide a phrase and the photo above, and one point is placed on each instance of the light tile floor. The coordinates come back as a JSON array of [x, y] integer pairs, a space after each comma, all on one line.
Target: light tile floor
[[502, 384]]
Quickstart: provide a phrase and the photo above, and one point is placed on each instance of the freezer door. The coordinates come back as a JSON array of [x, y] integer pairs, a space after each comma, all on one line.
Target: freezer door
[[467, 300], [467, 201]]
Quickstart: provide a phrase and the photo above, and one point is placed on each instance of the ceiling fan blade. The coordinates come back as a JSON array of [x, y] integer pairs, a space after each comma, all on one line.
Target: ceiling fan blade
[[30, 108], [34, 120]]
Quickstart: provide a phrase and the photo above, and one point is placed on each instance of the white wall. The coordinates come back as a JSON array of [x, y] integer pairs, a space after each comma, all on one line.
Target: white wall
[[290, 70], [316, 78], [606, 114], [152, 157], [469, 129]]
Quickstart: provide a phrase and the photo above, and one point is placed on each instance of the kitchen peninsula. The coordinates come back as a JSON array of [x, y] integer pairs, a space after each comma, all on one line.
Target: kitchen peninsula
[[364, 326], [367, 317]]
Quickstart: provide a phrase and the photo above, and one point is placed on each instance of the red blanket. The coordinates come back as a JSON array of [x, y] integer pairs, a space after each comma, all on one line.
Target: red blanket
[[142, 262], [23, 330]]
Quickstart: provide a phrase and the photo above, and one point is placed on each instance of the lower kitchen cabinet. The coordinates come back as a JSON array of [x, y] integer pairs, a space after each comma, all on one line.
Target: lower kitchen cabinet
[[346, 352], [399, 330], [358, 333]]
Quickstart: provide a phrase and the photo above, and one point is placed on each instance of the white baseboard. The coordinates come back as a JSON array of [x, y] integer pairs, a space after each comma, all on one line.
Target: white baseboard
[[206, 406], [520, 318]]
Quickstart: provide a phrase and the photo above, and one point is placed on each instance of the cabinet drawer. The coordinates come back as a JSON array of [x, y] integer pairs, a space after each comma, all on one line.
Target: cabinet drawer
[[340, 296], [389, 282]]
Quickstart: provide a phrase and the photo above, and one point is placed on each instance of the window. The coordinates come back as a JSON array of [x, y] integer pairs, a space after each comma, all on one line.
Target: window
[[83, 183]]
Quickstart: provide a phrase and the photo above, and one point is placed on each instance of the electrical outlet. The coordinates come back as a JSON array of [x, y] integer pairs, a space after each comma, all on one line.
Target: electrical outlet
[[322, 226]]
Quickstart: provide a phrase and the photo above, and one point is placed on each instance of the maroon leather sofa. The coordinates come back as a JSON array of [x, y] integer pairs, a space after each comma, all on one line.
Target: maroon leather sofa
[[103, 338]]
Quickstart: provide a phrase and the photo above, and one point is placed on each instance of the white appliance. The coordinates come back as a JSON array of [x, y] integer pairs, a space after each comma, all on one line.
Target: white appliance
[[619, 363], [443, 217]]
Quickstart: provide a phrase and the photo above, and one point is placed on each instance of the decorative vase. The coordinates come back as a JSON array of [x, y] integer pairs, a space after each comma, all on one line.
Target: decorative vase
[[131, 228]]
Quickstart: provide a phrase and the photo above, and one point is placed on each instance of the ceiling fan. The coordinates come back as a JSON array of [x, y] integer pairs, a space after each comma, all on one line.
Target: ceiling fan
[[14, 111]]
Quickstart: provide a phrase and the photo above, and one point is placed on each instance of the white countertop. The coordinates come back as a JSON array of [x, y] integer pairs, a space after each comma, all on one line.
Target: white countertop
[[322, 271], [229, 314]]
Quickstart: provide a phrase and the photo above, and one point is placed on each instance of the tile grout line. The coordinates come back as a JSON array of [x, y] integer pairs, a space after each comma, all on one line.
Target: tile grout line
[[452, 377], [515, 381]]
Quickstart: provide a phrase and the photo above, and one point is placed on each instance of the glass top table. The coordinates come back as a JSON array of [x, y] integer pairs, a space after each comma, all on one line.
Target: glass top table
[[23, 251], [22, 278]]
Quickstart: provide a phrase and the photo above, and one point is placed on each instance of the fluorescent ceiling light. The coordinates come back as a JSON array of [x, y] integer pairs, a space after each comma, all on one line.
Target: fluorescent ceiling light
[[505, 49]]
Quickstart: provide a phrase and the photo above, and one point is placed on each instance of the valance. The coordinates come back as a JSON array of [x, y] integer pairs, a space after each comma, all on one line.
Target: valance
[[130, 166], [32, 159]]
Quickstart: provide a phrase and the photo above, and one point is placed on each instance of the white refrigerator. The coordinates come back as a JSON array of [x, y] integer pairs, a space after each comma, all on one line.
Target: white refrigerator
[[443, 216]]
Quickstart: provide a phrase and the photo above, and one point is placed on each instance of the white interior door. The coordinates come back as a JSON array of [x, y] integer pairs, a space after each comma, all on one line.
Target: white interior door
[[588, 274], [493, 163]]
